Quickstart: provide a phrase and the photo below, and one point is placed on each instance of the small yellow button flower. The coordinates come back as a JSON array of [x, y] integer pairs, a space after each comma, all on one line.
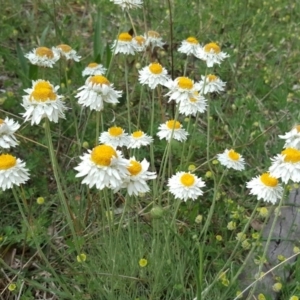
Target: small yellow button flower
[[81, 257], [40, 200], [12, 287], [219, 238], [294, 298], [231, 225], [261, 297], [143, 262], [277, 287]]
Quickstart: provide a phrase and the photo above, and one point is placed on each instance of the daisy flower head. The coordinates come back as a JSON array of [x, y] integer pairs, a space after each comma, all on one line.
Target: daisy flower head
[[96, 91], [123, 44], [292, 138], [212, 54], [67, 52], [286, 165], [211, 83], [115, 136], [43, 57], [153, 39], [139, 43], [7, 129], [190, 46], [12, 171], [104, 166], [265, 187], [195, 103], [186, 186], [231, 159], [138, 139], [42, 101], [93, 69], [172, 129], [181, 89], [153, 75], [139, 174], [128, 4]]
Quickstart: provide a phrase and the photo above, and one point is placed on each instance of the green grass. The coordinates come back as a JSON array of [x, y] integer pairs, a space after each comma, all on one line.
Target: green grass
[[184, 258]]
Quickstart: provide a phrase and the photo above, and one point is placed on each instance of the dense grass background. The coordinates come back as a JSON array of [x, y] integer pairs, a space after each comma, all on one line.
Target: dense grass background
[[260, 102]]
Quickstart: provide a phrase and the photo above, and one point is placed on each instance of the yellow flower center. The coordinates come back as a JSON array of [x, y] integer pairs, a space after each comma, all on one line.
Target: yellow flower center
[[44, 51], [134, 168], [125, 37], [140, 40], [115, 131], [137, 134], [7, 161], [298, 128], [211, 77], [187, 179], [192, 40], [172, 124], [233, 155], [185, 83], [268, 180], [291, 155], [43, 85], [192, 99], [102, 155], [153, 34], [212, 47], [65, 48], [99, 79], [155, 68], [92, 65], [42, 94], [1, 122]]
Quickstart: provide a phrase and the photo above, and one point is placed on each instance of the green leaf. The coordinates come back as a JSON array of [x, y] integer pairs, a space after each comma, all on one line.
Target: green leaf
[[98, 50]]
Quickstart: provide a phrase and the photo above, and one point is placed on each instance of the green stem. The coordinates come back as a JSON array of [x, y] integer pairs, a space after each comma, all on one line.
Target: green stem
[[67, 210], [127, 96]]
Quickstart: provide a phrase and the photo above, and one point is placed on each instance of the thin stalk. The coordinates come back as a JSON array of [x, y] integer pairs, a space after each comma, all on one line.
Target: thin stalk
[[70, 218], [127, 95]]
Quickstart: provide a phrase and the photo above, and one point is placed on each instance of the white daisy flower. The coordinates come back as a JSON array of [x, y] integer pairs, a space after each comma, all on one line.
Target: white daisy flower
[[128, 4], [94, 69], [212, 54], [286, 165], [196, 103], [153, 39], [190, 46], [139, 43], [265, 187], [292, 138], [12, 171], [123, 44], [97, 89], [7, 129], [42, 101], [138, 139], [231, 159], [172, 129], [102, 167], [139, 174], [153, 75], [115, 136], [181, 89], [43, 57], [211, 84], [185, 186], [67, 52]]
